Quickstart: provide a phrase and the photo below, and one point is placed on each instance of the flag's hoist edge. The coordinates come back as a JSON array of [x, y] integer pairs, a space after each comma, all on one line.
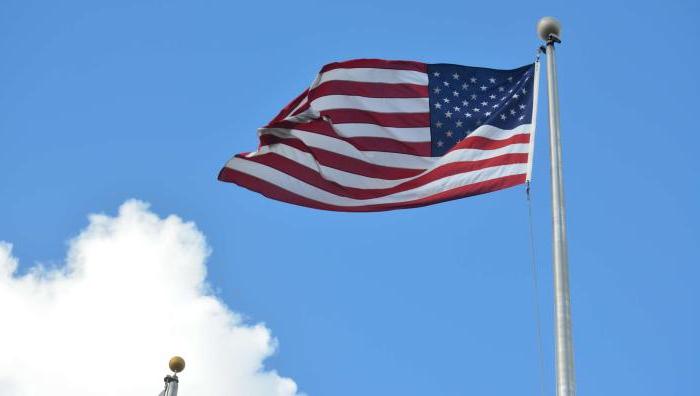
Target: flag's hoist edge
[[359, 140]]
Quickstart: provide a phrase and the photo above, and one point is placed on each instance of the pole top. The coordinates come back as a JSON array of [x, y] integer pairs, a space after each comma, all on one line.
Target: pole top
[[176, 364], [548, 26]]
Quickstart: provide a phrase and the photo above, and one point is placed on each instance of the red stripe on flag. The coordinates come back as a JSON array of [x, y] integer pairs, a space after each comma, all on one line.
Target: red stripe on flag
[[423, 149], [385, 145], [484, 143], [377, 64], [399, 120], [368, 89]]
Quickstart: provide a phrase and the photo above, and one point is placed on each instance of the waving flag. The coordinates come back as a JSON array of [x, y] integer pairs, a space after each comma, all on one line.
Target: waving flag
[[371, 135]]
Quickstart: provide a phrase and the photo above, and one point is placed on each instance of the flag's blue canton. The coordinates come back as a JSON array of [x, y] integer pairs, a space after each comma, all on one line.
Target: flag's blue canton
[[462, 98]]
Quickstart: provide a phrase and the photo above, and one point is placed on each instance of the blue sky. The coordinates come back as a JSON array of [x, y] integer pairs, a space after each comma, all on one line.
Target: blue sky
[[101, 102]]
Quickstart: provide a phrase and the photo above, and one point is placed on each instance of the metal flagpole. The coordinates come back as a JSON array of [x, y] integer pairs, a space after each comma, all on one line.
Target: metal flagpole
[[171, 383], [176, 364], [549, 30]]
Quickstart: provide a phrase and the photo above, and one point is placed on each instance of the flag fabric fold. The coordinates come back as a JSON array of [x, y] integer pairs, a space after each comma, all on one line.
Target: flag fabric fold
[[372, 135]]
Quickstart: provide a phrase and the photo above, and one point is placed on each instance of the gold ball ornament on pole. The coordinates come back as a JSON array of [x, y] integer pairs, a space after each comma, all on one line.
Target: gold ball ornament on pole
[[548, 25], [176, 364]]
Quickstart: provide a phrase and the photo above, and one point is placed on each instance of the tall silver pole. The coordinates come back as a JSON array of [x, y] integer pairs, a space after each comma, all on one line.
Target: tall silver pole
[[549, 30], [171, 384], [176, 364]]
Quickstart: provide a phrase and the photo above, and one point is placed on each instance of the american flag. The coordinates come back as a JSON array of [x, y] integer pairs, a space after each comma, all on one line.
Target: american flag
[[372, 135]]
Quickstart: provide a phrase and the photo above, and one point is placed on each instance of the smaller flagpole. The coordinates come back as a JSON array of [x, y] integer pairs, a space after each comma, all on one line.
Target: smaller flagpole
[[176, 364], [171, 383], [549, 30]]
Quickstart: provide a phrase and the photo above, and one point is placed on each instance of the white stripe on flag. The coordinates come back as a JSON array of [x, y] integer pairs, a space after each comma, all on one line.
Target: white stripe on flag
[[380, 105], [372, 130], [375, 75]]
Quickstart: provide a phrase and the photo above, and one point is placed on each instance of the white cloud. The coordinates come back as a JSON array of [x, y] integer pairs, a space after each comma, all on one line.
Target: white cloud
[[131, 294]]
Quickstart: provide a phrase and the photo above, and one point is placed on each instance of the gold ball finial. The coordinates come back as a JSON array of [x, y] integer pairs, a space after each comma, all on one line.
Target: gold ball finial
[[176, 364], [548, 25]]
